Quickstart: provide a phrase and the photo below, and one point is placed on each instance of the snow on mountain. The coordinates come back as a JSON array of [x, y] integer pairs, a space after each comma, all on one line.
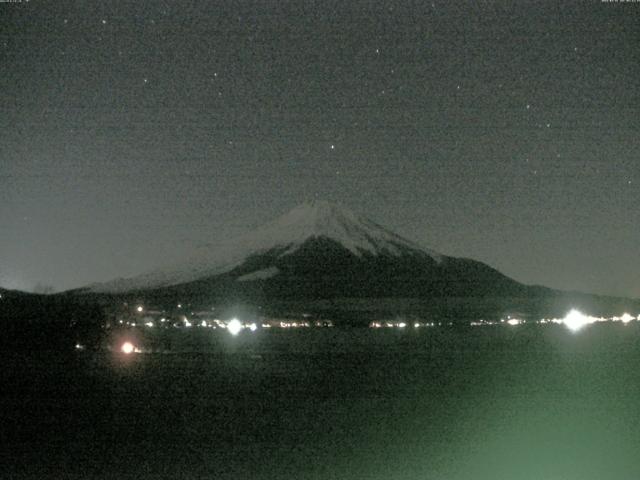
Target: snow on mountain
[[259, 274], [316, 219], [323, 219]]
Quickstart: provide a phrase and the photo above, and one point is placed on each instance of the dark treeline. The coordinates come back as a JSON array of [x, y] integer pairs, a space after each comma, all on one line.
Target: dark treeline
[[47, 322]]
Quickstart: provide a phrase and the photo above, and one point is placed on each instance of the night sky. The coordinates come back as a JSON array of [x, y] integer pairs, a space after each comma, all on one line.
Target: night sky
[[132, 133]]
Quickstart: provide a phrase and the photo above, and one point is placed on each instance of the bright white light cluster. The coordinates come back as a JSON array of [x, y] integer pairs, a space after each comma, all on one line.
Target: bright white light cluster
[[234, 326], [482, 323], [575, 320], [294, 324], [401, 324], [625, 318]]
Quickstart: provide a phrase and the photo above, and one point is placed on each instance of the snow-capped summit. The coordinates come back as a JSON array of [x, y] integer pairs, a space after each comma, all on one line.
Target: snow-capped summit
[[317, 219], [318, 250], [322, 219]]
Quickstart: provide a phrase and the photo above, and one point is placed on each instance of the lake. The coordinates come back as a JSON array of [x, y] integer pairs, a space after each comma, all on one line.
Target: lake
[[524, 402]]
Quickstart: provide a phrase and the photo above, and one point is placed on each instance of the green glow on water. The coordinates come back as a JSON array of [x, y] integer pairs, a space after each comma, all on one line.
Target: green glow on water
[[523, 403]]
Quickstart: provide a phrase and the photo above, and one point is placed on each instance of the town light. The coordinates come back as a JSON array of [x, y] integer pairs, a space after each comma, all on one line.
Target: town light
[[626, 318], [575, 320], [234, 326]]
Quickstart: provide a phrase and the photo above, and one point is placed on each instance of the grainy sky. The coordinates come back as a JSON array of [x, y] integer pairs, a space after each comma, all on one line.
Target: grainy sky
[[133, 132]]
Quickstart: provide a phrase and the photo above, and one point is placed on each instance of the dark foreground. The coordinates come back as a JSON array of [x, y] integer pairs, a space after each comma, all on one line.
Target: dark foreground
[[477, 403]]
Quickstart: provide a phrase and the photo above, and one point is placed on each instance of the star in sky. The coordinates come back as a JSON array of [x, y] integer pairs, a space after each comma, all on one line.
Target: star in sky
[[86, 154]]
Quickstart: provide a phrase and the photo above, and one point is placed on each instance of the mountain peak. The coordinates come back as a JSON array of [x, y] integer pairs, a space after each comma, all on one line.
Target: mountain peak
[[321, 218], [316, 219]]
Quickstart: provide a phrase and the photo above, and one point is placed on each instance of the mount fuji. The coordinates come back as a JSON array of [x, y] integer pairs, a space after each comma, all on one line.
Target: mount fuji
[[320, 250]]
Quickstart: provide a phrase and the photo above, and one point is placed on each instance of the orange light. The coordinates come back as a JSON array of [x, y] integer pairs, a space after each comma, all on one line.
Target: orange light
[[127, 347]]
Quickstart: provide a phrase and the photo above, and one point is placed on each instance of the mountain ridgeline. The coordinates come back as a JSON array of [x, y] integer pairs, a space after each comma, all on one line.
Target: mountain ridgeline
[[322, 251]]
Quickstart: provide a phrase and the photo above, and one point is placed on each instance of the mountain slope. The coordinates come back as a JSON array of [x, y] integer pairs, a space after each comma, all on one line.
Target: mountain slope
[[319, 250]]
